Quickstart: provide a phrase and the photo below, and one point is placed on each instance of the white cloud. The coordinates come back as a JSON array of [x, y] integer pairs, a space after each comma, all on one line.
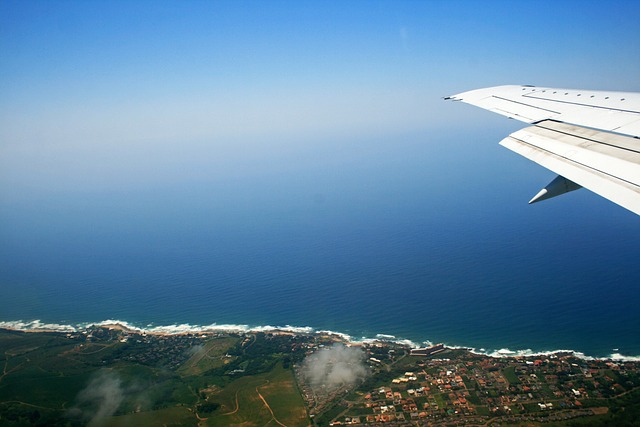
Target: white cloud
[[335, 366]]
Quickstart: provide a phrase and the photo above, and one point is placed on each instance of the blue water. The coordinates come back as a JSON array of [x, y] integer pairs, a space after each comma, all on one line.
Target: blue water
[[424, 236]]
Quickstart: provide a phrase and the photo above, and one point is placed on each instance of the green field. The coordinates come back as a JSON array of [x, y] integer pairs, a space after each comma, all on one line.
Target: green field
[[210, 356], [241, 402], [52, 379], [510, 375]]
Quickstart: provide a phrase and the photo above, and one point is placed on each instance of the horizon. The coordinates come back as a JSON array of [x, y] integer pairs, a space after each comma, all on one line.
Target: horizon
[[246, 163]]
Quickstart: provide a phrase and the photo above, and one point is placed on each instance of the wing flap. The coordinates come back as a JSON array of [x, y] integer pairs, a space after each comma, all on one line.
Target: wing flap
[[605, 163]]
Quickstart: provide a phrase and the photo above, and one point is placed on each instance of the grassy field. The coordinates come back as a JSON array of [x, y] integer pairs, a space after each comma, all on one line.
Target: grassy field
[[259, 400], [52, 379], [510, 375], [210, 356], [176, 416]]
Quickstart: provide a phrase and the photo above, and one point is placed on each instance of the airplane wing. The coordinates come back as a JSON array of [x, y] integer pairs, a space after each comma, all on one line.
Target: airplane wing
[[590, 139]]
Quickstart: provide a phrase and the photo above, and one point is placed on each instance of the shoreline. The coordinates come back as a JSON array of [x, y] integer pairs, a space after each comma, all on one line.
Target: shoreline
[[35, 326]]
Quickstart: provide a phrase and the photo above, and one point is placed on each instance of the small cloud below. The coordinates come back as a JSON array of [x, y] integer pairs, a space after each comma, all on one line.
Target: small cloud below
[[195, 349], [100, 399], [335, 367]]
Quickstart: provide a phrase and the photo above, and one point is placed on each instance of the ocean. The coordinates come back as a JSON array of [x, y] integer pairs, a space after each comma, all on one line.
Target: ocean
[[424, 237]]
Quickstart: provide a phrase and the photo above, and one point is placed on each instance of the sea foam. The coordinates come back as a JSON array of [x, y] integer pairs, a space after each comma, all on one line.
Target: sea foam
[[186, 328]]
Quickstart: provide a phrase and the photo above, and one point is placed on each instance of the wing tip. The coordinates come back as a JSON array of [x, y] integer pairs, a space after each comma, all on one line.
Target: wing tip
[[539, 196], [559, 185]]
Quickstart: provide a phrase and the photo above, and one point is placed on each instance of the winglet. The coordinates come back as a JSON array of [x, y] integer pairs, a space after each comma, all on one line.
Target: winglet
[[558, 186]]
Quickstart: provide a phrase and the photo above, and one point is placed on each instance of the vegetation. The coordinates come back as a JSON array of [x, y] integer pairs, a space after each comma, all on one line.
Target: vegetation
[[510, 374], [54, 379], [114, 377]]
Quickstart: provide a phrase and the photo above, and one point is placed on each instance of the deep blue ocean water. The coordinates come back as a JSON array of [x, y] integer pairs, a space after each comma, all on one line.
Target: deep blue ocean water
[[425, 237]]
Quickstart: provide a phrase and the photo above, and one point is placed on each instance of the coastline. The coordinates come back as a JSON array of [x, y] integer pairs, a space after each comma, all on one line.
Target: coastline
[[35, 326]]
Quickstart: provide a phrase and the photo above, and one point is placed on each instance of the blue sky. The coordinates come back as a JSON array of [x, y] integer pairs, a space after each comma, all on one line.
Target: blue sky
[[116, 95]]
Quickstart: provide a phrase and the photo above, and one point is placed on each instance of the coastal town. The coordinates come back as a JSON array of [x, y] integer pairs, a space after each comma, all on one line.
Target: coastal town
[[461, 388], [300, 379]]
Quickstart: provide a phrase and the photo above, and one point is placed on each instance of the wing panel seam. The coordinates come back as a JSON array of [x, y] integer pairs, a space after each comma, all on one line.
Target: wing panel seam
[[525, 104], [579, 104]]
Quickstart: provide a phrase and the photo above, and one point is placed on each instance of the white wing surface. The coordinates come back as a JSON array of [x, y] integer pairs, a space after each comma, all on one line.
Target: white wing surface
[[589, 138]]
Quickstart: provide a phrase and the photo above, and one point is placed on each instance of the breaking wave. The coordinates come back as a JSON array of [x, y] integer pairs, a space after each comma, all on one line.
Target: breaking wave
[[186, 328]]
